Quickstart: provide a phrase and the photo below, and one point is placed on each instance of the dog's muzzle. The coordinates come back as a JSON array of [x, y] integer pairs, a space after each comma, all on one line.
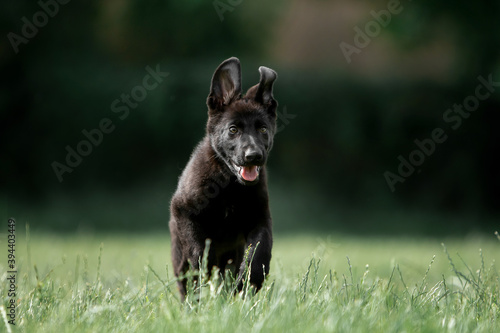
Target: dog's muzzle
[[247, 174]]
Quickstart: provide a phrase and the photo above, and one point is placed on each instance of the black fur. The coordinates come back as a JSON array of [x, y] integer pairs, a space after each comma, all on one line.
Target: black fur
[[222, 193]]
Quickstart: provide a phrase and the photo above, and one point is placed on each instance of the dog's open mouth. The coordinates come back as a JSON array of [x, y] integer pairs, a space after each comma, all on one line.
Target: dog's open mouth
[[248, 173]]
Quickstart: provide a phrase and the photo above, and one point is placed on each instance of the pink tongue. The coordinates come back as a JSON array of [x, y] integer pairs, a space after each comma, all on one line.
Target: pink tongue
[[249, 173]]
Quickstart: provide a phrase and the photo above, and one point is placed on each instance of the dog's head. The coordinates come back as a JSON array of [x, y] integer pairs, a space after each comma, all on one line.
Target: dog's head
[[241, 128]]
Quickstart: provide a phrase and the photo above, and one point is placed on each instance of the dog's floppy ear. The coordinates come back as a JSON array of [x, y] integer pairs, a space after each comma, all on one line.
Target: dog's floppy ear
[[264, 92], [226, 84]]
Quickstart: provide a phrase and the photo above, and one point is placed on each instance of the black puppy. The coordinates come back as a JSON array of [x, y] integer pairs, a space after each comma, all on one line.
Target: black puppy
[[222, 193]]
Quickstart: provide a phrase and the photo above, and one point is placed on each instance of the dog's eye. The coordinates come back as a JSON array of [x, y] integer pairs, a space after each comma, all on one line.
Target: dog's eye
[[233, 129], [263, 130]]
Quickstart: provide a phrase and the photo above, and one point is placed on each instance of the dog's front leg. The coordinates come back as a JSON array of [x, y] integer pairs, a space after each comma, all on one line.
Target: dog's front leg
[[257, 257], [188, 245]]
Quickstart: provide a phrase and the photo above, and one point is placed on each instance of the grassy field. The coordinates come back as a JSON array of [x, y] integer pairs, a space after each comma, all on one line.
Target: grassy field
[[124, 283]]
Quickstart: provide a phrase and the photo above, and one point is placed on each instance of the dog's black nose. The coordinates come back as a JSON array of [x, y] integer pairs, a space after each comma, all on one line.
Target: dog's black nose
[[253, 156]]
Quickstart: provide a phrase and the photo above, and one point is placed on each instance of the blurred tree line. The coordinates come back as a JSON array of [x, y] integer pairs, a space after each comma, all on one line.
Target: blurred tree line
[[342, 134]]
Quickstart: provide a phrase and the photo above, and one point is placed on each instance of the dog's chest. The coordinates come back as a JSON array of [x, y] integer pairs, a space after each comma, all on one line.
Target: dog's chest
[[229, 211], [234, 209], [235, 201]]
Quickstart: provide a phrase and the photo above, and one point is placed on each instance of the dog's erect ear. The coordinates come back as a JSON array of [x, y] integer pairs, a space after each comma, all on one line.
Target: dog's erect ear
[[264, 92], [226, 84]]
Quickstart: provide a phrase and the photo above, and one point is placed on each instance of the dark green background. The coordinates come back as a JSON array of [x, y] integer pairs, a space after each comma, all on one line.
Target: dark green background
[[348, 122]]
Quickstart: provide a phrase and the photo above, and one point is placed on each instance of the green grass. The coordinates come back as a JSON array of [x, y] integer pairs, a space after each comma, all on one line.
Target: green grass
[[124, 283]]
